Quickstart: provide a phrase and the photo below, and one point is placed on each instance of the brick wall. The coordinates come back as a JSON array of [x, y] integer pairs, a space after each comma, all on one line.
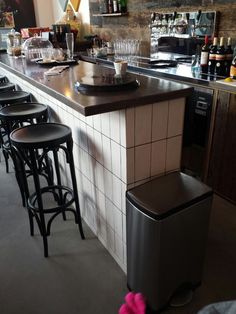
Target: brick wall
[[135, 24]]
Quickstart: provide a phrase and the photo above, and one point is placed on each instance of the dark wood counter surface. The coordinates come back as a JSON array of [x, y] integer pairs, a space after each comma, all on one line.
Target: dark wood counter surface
[[62, 86]]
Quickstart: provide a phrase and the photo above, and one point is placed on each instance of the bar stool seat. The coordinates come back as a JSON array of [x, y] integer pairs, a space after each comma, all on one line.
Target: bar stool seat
[[13, 116], [3, 79], [12, 97], [30, 145], [6, 86]]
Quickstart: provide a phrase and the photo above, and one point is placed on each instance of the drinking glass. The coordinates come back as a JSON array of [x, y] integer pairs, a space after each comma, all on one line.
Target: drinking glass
[[70, 45]]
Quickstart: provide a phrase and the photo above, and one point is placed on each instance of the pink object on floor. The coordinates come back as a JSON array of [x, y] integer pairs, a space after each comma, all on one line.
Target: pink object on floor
[[135, 304]]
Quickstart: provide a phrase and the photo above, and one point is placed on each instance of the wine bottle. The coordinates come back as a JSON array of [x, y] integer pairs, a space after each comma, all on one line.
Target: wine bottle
[[110, 6], [220, 59], [204, 56], [115, 6], [212, 56], [228, 57]]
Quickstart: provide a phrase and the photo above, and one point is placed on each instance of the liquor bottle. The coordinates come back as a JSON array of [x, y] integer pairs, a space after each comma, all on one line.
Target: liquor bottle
[[123, 6], [233, 68], [228, 57], [110, 6], [220, 59], [204, 56], [212, 57]]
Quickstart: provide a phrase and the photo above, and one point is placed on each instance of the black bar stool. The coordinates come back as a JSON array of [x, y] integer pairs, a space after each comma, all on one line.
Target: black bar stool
[[13, 97], [14, 116], [3, 79], [30, 145], [6, 86]]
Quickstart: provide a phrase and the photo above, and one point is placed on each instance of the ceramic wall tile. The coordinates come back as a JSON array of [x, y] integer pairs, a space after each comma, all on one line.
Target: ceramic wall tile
[[108, 183], [158, 157], [98, 146], [129, 127], [83, 141], [115, 126], [123, 127], [97, 122], [116, 191], [115, 159], [110, 239], [173, 156], [143, 124], [176, 117], [118, 222], [105, 119], [89, 120], [159, 120], [90, 139], [142, 162], [106, 147], [100, 202], [99, 176], [110, 213]]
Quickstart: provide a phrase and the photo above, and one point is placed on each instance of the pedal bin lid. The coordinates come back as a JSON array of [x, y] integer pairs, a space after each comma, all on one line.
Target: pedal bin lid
[[166, 195]]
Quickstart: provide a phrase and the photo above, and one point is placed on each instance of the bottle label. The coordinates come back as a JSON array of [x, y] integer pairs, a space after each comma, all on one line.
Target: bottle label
[[220, 57], [204, 58], [218, 64], [212, 56]]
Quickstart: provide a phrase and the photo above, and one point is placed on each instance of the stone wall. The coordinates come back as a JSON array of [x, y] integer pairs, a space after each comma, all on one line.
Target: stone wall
[[135, 24]]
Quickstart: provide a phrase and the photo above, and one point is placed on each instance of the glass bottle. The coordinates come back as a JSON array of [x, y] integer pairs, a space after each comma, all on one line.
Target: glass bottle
[[212, 57], [204, 56], [220, 59], [228, 57]]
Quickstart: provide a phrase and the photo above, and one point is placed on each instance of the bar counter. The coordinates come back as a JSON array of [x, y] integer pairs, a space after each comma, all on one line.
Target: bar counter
[[121, 139], [62, 87]]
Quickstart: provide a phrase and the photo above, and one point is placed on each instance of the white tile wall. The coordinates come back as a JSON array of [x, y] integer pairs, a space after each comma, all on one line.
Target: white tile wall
[[114, 152], [143, 124], [176, 117], [158, 158], [159, 121], [173, 154]]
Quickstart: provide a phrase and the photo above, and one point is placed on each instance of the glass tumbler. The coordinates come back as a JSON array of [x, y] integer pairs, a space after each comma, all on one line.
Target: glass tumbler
[[70, 45]]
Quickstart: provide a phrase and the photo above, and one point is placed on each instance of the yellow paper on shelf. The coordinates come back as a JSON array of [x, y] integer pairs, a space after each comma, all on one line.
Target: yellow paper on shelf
[[75, 4]]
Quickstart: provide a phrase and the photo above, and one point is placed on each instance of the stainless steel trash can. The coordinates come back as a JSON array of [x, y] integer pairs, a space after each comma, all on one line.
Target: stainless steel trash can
[[167, 227]]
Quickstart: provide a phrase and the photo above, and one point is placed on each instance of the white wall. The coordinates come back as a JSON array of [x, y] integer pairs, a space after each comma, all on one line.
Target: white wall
[[44, 12], [47, 12]]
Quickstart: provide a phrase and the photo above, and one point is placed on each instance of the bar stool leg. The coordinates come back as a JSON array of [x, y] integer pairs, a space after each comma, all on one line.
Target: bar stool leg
[[42, 225], [74, 184], [56, 163]]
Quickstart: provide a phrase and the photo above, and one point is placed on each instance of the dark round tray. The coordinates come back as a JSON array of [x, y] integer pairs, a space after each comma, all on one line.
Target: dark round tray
[[162, 63], [106, 83]]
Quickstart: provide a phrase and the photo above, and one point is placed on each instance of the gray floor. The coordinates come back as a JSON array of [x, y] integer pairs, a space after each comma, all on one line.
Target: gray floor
[[80, 277]]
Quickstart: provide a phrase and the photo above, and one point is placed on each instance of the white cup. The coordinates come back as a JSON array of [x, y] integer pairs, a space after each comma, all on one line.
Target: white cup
[[120, 67]]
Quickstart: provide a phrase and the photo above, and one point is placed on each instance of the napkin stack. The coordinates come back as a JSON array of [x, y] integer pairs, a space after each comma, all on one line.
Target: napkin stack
[[56, 70]]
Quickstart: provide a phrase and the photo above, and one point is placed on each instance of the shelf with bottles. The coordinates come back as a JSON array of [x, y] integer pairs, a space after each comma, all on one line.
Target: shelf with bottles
[[111, 14]]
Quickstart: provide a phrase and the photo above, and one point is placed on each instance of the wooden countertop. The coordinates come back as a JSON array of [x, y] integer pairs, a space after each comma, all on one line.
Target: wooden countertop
[[62, 86]]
